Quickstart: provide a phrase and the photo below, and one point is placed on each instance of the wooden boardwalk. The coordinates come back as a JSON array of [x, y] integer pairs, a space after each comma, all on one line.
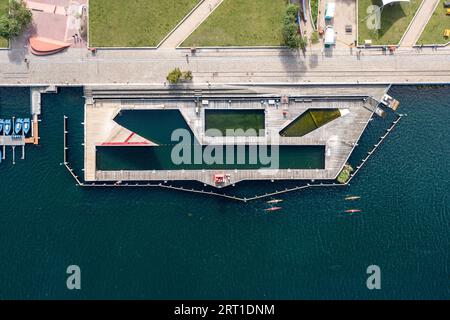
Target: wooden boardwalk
[[339, 136]]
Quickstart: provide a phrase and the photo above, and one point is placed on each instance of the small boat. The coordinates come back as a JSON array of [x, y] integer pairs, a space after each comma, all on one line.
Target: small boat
[[352, 198], [274, 201], [353, 211], [273, 209], [7, 126], [26, 125], [1, 125], [18, 126]]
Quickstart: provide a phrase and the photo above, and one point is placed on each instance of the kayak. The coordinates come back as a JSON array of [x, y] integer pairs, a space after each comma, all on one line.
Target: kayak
[[274, 201], [273, 209], [353, 211]]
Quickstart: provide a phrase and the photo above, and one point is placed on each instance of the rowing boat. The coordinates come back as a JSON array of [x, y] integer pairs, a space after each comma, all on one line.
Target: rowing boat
[[273, 209], [353, 198], [274, 201], [353, 211]]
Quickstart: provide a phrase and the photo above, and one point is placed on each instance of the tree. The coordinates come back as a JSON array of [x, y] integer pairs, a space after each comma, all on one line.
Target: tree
[[291, 37], [15, 19], [314, 37], [302, 42], [174, 75], [187, 75]]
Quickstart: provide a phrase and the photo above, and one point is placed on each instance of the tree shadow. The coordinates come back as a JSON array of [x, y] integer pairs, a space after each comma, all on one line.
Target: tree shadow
[[19, 45], [293, 62], [390, 15], [313, 60]]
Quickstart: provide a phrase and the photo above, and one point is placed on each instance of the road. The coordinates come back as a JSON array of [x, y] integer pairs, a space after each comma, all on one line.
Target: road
[[79, 66]]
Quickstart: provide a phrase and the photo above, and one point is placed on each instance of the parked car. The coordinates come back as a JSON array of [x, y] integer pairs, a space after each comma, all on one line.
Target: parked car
[[447, 4]]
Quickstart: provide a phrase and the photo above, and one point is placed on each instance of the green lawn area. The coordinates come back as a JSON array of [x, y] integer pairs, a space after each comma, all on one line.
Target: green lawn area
[[344, 175], [433, 33], [3, 5], [241, 23], [134, 23], [394, 21], [314, 11], [235, 120]]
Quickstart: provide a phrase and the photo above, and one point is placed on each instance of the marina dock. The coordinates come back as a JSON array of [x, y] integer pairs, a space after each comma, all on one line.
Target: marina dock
[[21, 140]]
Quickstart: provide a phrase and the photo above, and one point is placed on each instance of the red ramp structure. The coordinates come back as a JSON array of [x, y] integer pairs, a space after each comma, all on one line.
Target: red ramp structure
[[41, 46]]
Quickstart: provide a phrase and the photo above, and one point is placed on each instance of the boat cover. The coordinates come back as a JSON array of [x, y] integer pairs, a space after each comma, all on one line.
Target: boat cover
[[330, 37], [329, 11]]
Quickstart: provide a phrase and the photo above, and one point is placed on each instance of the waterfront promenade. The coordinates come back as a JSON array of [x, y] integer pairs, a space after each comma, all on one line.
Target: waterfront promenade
[[78, 66]]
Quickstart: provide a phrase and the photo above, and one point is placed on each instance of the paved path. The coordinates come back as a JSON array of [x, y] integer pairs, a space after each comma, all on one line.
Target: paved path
[[418, 24], [78, 66], [191, 23]]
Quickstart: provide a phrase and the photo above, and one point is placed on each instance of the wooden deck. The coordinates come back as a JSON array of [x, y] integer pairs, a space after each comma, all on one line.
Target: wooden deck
[[339, 136]]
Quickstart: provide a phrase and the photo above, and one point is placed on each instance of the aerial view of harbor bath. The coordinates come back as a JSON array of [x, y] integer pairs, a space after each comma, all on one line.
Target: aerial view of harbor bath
[[224, 150]]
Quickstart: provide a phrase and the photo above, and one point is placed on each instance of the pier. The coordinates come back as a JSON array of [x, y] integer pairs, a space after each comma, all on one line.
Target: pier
[[223, 195], [21, 140], [339, 137]]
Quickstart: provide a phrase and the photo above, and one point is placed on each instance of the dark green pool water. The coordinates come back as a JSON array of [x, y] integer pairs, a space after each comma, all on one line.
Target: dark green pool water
[[252, 122], [239, 157], [154, 125], [152, 243]]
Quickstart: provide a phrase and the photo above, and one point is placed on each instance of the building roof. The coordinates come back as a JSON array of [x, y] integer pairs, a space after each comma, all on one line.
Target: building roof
[[386, 2]]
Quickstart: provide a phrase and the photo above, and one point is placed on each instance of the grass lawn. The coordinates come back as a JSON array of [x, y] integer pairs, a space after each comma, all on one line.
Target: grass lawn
[[134, 23], [241, 23], [314, 11], [235, 120], [394, 21], [433, 33], [3, 5], [344, 175]]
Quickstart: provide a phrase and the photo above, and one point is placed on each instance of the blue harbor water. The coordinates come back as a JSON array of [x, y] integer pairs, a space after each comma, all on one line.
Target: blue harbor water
[[153, 243]]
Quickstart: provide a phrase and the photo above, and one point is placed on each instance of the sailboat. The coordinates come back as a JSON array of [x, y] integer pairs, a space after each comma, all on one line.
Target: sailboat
[[7, 126], [26, 125], [18, 126]]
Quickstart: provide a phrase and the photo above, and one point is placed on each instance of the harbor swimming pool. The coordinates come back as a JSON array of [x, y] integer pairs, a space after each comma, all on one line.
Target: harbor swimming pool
[[233, 119], [159, 158]]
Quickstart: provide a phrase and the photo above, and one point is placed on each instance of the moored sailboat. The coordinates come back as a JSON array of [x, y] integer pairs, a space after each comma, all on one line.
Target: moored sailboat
[[26, 125], [7, 126], [18, 126]]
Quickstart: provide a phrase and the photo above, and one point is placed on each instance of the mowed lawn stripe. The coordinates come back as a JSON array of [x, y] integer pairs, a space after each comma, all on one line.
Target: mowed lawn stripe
[[134, 23], [241, 23]]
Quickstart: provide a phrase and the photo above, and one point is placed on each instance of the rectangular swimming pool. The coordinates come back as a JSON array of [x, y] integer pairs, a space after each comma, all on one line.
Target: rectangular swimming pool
[[235, 119], [159, 158]]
